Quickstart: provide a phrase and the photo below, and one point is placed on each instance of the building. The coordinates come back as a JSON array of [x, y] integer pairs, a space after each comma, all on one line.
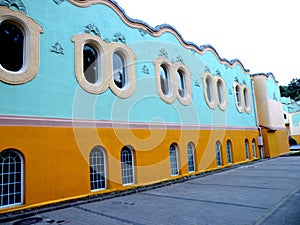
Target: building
[[94, 102], [291, 111]]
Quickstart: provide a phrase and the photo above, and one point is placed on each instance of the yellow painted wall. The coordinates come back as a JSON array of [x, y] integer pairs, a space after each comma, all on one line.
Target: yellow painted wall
[[275, 143], [297, 138], [56, 159]]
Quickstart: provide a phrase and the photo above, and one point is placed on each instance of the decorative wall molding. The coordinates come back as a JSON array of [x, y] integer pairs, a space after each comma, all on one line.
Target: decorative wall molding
[[178, 59], [145, 70], [74, 123], [159, 30], [218, 73], [143, 32], [120, 38], [92, 29], [57, 48], [197, 83], [163, 53], [14, 4], [58, 2], [206, 69]]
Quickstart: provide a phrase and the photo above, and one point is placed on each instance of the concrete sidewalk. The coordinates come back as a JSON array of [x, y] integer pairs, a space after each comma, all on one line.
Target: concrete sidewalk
[[264, 192]]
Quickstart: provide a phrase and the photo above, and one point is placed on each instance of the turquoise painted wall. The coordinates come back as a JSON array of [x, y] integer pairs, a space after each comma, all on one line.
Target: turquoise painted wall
[[296, 119], [273, 89], [54, 92]]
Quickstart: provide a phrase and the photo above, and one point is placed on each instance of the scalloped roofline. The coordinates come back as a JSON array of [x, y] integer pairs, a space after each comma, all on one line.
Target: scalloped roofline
[[268, 75], [158, 30]]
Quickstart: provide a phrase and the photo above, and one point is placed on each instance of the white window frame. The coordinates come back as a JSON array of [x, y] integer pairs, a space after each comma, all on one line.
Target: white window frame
[[174, 160], [218, 149], [31, 52], [229, 151], [127, 174], [101, 173], [191, 152], [21, 182], [247, 149], [253, 143]]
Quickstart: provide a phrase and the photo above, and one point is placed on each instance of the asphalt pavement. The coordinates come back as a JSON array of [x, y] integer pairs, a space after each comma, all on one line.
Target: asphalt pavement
[[262, 192]]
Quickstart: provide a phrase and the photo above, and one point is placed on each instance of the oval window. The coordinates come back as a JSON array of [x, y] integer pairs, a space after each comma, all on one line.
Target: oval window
[[181, 83], [164, 84], [209, 89], [238, 96], [246, 98], [11, 46], [220, 87], [119, 70], [90, 63]]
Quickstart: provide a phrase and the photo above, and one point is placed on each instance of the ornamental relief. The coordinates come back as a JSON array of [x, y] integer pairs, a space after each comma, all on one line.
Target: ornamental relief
[[14, 4]]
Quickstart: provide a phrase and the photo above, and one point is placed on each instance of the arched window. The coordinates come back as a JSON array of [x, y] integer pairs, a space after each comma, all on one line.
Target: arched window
[[181, 83], [238, 96], [220, 88], [164, 79], [127, 166], [247, 149], [11, 178], [209, 89], [173, 81], [119, 70], [97, 169], [173, 160], [254, 148], [218, 154], [11, 46], [19, 46], [228, 151], [247, 100], [191, 157], [90, 63]]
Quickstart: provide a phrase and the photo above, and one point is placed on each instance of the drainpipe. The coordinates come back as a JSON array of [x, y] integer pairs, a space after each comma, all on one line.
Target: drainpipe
[[259, 139]]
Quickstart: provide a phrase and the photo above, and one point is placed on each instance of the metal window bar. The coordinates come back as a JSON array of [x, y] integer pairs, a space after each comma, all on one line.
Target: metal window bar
[[127, 166], [228, 150], [11, 192], [97, 170], [191, 160], [173, 161], [218, 154]]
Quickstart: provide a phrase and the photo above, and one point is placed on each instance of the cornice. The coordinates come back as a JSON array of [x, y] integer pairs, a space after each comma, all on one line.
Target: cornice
[[158, 30], [267, 75], [28, 121]]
